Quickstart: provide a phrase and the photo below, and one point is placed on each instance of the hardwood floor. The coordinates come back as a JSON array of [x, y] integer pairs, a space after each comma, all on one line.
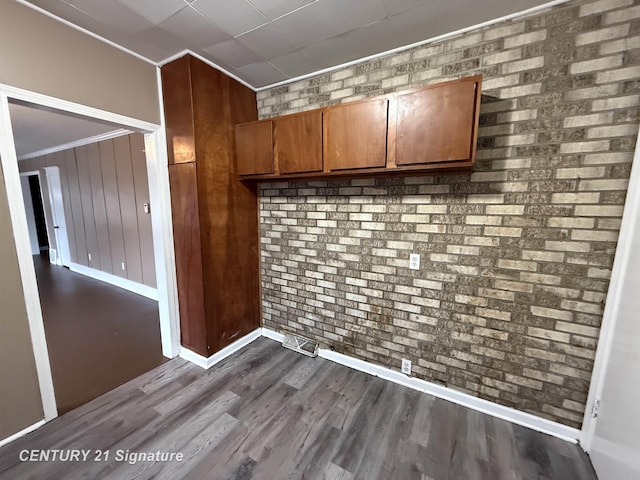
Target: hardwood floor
[[98, 336], [270, 413]]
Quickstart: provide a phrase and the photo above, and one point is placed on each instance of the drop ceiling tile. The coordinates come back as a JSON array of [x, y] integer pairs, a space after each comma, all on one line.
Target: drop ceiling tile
[[235, 18], [267, 41], [395, 7], [327, 18], [260, 74], [114, 15], [195, 29], [273, 9], [294, 64], [307, 25], [153, 10], [232, 52], [155, 44]]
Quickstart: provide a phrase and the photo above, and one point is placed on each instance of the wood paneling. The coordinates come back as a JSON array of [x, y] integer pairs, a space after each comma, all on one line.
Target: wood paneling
[[186, 237], [112, 202], [177, 100], [84, 179], [356, 135], [435, 124], [126, 191], [219, 228], [99, 209], [77, 219], [111, 184], [145, 231], [298, 142], [254, 143], [66, 200]]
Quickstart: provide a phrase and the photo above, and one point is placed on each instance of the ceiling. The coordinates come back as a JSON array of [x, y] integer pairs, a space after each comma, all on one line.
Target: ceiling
[[36, 130], [263, 42]]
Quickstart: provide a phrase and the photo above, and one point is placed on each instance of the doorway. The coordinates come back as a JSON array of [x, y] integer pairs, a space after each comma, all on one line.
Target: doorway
[[167, 324]]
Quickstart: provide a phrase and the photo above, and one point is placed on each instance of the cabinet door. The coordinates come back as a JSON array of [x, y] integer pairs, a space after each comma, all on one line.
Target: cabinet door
[[298, 142], [254, 147], [436, 124], [356, 135]]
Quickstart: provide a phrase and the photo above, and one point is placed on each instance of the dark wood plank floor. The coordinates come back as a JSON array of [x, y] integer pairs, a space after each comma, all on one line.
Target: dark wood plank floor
[[270, 413], [98, 336]]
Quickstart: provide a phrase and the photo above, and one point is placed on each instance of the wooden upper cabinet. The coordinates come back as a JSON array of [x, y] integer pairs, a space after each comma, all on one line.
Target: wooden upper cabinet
[[298, 142], [436, 124], [356, 135], [254, 147]]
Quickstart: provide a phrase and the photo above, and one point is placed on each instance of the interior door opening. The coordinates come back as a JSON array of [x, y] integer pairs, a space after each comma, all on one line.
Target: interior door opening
[[85, 193]]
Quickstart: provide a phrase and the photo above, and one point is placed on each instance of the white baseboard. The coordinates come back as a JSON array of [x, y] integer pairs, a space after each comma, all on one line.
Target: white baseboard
[[209, 362], [485, 406], [134, 287], [22, 432]]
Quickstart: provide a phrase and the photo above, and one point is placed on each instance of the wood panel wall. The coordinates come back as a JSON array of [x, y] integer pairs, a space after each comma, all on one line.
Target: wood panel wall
[[215, 216], [104, 188]]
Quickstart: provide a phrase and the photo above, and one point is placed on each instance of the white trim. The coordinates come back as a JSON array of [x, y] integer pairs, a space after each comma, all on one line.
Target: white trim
[[25, 261], [77, 143], [124, 283], [438, 38], [484, 406], [217, 357], [624, 248], [22, 433], [39, 99], [84, 30], [162, 227], [208, 62], [159, 194]]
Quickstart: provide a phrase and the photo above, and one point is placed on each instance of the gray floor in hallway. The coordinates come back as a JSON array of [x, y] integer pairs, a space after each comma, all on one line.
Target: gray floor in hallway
[[270, 413], [99, 336]]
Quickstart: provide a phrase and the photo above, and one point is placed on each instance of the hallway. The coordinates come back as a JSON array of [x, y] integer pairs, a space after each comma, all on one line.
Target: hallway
[[99, 336]]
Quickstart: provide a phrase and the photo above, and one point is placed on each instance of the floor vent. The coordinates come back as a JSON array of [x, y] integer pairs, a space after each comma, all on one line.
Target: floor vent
[[301, 345]]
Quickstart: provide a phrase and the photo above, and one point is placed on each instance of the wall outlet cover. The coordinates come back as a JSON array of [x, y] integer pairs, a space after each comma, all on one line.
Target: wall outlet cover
[[406, 366], [414, 261]]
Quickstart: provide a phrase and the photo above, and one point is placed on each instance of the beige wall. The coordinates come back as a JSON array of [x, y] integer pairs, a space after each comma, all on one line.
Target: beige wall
[[44, 56], [40, 54], [20, 404], [104, 188]]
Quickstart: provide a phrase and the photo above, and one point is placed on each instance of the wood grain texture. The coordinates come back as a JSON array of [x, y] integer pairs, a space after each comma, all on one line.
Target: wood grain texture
[[355, 135], [254, 143], [186, 238], [178, 111], [435, 124], [221, 223], [298, 142], [270, 413]]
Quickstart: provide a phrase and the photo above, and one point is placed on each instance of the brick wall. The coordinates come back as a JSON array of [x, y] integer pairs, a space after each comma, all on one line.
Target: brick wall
[[516, 256]]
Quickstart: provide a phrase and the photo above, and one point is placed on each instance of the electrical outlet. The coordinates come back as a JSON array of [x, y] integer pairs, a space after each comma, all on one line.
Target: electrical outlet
[[406, 366], [123, 269], [414, 261], [89, 256]]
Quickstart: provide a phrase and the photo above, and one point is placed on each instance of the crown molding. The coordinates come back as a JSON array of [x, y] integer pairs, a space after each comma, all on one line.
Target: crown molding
[[77, 143]]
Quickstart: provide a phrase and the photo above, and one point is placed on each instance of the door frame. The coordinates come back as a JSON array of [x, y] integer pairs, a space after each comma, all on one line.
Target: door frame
[[162, 228], [33, 173], [624, 247], [63, 252]]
